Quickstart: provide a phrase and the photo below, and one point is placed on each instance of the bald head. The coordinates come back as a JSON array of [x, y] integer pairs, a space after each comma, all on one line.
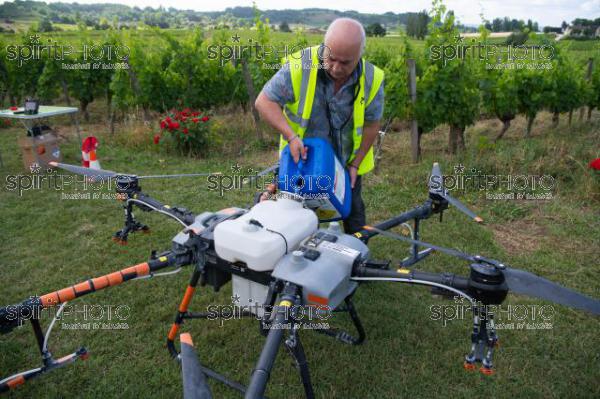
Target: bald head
[[345, 43]]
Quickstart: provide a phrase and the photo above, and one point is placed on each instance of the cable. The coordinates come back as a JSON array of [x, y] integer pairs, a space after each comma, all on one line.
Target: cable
[[158, 274], [45, 345], [282, 236], [411, 281], [259, 224], [23, 373], [158, 210]]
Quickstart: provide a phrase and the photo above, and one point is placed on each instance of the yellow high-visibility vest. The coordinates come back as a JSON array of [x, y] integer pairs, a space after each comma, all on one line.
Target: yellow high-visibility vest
[[304, 66]]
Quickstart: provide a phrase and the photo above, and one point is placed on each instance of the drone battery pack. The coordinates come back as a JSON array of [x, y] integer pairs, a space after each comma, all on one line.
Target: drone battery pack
[[264, 234], [320, 179]]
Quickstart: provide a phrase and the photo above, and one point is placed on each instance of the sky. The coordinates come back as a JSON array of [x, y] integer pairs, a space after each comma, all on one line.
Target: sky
[[545, 12]]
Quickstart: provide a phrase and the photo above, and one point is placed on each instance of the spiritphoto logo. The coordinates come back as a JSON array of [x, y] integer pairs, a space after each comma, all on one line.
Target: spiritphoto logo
[[69, 312], [242, 178], [307, 316], [90, 53], [506, 317], [85, 187], [495, 53], [496, 186], [225, 53]]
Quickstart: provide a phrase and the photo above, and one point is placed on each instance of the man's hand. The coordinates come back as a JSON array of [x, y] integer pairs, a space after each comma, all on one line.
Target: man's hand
[[297, 149], [370, 132], [353, 172]]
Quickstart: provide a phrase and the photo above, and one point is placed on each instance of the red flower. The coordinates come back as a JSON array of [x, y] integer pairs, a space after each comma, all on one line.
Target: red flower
[[185, 130], [163, 124], [195, 113], [195, 120], [13, 108], [156, 139], [205, 119], [174, 125], [595, 164]]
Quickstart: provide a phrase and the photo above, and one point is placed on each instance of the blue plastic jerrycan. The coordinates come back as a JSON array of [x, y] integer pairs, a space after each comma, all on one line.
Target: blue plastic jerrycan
[[320, 179]]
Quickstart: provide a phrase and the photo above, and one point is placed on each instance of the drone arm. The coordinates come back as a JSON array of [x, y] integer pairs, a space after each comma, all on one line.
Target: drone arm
[[13, 315], [147, 203], [108, 280], [413, 276], [420, 212]]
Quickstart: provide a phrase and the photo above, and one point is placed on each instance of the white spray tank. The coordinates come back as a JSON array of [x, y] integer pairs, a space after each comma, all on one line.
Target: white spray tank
[[263, 235]]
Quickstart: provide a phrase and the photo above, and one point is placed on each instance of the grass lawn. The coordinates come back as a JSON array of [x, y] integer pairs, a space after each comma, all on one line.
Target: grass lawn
[[47, 243]]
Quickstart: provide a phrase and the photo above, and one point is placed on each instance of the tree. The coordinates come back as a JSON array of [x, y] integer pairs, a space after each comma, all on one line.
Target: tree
[[447, 92], [517, 38], [563, 88], [45, 25], [375, 29], [530, 84], [497, 25], [284, 27], [417, 25]]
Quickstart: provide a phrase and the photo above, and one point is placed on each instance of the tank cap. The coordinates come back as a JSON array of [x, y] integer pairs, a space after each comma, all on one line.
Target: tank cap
[[334, 226], [298, 257], [250, 228]]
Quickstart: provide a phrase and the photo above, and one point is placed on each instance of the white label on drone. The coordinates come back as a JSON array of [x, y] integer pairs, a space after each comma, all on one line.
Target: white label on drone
[[341, 249]]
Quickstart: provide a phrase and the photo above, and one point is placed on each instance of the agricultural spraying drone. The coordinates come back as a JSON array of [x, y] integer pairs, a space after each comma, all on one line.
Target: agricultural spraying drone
[[277, 256]]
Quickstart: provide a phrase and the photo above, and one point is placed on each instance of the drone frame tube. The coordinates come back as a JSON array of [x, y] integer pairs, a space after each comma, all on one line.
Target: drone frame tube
[[262, 371], [451, 280], [105, 281], [423, 211]]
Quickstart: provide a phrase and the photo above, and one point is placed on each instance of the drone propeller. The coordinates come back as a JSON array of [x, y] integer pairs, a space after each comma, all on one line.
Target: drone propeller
[[194, 380], [526, 283], [263, 172], [517, 280], [96, 174], [81, 170], [436, 187], [268, 170]]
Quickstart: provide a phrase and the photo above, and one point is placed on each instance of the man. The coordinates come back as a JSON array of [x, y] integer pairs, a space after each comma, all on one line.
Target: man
[[329, 91]]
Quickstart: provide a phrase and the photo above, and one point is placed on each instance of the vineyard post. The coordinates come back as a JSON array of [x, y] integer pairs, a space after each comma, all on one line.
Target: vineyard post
[[415, 145], [588, 77], [251, 96], [74, 119]]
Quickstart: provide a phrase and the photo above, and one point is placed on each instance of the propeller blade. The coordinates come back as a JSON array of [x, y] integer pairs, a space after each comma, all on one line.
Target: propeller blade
[[436, 182], [97, 174], [263, 172], [194, 380], [529, 284], [462, 207], [436, 186], [268, 170], [178, 175], [80, 170]]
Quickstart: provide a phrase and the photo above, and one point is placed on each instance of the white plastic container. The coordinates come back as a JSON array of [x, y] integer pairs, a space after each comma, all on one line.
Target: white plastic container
[[257, 237], [249, 294]]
